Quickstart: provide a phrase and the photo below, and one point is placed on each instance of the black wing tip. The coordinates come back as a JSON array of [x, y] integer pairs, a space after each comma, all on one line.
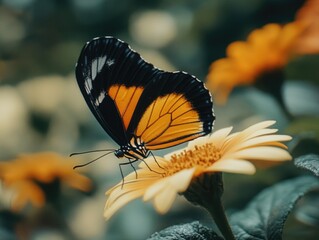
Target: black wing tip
[[94, 48], [97, 42], [201, 99], [103, 39]]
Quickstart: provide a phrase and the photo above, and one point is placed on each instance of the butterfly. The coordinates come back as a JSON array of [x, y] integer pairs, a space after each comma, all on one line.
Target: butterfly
[[141, 107]]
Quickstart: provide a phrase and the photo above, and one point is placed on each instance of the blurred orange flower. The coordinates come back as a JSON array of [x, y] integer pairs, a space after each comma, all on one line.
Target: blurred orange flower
[[308, 15], [219, 152], [266, 50], [23, 174]]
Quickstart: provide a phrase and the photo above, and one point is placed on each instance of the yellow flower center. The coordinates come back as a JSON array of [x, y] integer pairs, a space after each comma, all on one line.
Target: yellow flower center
[[203, 156]]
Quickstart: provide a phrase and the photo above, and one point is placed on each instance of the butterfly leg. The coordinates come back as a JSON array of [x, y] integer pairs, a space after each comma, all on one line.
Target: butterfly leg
[[150, 167], [156, 161], [131, 163]]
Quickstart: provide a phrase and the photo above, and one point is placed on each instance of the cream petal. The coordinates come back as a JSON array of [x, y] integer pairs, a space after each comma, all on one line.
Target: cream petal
[[121, 188], [164, 200], [216, 138], [233, 152], [219, 137], [234, 139], [132, 176], [118, 193], [263, 140], [111, 208], [178, 182], [232, 166], [118, 196], [263, 153], [230, 137], [258, 126], [276, 144], [155, 189], [264, 131], [252, 130]]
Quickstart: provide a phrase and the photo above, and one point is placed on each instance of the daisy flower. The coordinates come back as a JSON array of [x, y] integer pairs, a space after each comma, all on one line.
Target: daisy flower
[[222, 151]]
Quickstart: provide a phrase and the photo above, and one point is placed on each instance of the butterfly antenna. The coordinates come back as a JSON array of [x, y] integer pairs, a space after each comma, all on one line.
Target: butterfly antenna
[[92, 151], [85, 164]]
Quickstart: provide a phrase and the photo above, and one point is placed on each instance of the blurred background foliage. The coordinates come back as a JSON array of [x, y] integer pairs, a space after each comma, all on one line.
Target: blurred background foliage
[[41, 108]]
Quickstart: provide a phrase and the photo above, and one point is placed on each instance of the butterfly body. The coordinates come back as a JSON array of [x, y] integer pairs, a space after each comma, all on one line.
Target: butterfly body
[[135, 149], [141, 107]]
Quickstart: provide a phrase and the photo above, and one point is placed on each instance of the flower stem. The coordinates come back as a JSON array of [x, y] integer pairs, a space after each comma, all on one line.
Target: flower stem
[[207, 191], [216, 209]]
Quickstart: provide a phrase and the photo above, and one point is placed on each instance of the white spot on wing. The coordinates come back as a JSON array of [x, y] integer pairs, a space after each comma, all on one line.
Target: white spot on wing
[[101, 61], [97, 65], [100, 98], [88, 85], [110, 62], [94, 69]]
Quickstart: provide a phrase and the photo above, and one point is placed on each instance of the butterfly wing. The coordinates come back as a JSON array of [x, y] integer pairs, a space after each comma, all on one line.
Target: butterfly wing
[[131, 98], [111, 78], [181, 111]]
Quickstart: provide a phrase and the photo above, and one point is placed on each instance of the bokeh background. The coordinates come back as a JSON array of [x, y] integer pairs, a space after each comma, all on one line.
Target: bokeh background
[[41, 108]]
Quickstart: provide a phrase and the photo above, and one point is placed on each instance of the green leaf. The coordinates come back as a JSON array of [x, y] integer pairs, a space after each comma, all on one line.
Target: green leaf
[[265, 215], [188, 231], [309, 162]]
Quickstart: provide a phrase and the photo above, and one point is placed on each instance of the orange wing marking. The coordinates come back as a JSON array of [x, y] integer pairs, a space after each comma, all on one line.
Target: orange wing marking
[[126, 99], [168, 121]]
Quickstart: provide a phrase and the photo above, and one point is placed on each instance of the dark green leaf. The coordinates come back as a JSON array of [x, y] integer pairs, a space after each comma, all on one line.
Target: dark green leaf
[[265, 215], [309, 162], [189, 231]]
